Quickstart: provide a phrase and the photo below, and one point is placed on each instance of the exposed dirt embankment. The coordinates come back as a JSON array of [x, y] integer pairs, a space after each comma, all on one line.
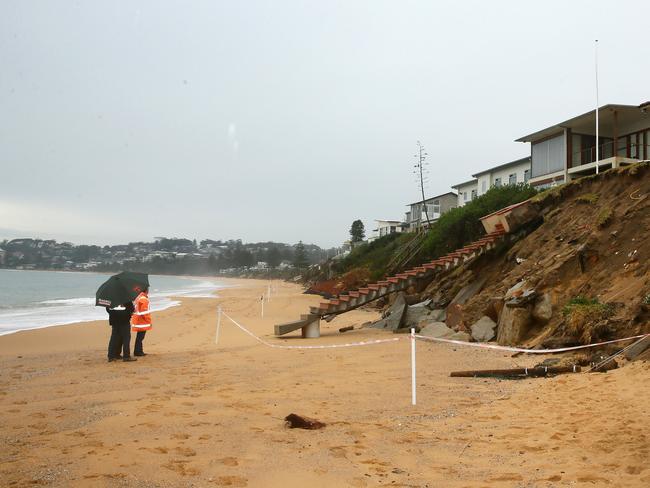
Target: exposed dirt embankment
[[589, 259]]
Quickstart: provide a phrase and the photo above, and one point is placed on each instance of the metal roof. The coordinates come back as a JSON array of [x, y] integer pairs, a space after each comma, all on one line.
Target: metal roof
[[433, 198], [576, 120], [502, 166], [465, 183]]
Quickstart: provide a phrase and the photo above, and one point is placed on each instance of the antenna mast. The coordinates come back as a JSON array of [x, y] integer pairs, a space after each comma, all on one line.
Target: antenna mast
[[597, 124], [420, 171]]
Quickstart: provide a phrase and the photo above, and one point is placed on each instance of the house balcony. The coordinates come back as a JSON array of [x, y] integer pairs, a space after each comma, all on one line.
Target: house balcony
[[584, 161]]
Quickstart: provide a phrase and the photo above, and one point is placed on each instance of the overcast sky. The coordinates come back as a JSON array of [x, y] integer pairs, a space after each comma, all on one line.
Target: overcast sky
[[281, 120]]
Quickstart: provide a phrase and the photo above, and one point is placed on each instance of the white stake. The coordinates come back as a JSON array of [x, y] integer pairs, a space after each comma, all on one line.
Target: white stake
[[268, 293], [597, 102], [262, 306], [216, 339], [413, 394]]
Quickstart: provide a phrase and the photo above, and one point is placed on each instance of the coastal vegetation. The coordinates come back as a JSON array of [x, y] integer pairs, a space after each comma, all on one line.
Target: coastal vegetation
[[177, 256], [452, 230]]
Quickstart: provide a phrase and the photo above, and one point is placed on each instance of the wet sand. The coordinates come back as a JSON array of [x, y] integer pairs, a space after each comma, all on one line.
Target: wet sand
[[192, 413]]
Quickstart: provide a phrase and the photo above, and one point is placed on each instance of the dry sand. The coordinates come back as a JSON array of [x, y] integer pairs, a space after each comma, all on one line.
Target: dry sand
[[194, 414]]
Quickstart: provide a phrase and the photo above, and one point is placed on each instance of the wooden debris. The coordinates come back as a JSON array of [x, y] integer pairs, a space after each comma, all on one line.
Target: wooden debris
[[516, 372], [299, 422], [345, 329]]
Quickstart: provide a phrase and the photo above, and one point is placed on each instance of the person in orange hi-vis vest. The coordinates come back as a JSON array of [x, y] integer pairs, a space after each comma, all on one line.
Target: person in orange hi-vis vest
[[140, 321]]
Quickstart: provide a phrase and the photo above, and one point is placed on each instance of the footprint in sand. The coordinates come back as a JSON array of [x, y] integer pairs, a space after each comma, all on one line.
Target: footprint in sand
[[236, 481], [229, 461], [185, 451], [180, 436]]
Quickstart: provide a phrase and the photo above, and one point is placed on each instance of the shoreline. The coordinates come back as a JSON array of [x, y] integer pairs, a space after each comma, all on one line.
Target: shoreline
[[196, 413], [40, 309]]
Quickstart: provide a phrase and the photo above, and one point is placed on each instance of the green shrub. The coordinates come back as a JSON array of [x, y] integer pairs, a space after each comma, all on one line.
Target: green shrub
[[585, 318], [590, 198], [452, 231], [604, 217], [461, 225]]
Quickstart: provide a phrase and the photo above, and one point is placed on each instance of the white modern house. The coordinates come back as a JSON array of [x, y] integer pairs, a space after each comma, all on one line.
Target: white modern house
[[512, 173], [385, 227], [567, 150], [416, 217]]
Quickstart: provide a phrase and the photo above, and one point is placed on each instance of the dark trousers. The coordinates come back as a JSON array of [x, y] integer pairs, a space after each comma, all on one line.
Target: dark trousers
[[120, 341], [137, 349]]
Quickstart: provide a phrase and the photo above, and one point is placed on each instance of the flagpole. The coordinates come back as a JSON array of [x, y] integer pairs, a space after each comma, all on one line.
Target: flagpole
[[597, 103]]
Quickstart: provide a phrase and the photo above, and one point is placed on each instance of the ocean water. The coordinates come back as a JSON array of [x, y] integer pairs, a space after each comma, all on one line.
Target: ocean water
[[36, 299]]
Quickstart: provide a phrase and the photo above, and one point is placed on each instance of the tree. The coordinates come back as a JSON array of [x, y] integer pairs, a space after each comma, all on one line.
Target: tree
[[357, 231], [273, 257], [300, 256], [212, 263]]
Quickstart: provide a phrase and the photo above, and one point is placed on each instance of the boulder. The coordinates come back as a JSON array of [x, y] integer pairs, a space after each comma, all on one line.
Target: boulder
[[493, 308], [437, 330], [483, 329], [438, 315], [394, 316], [418, 313], [455, 318], [461, 336], [543, 309], [513, 325], [468, 291]]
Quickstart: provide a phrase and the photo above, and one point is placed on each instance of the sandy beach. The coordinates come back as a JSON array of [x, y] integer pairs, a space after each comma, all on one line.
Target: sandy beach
[[193, 413]]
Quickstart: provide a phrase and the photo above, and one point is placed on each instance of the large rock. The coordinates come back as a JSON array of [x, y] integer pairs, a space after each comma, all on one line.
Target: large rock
[[493, 308], [543, 309], [468, 291], [483, 329], [394, 316], [416, 314], [455, 317], [461, 336], [513, 325], [437, 330]]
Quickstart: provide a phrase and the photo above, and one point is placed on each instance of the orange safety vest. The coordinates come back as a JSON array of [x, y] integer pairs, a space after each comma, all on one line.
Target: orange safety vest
[[141, 318]]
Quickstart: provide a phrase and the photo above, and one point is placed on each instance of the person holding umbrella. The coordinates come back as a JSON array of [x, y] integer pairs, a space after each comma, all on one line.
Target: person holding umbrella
[[120, 320], [141, 321], [117, 294]]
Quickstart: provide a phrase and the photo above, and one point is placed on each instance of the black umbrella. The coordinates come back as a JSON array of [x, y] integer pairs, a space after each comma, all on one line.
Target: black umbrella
[[121, 288]]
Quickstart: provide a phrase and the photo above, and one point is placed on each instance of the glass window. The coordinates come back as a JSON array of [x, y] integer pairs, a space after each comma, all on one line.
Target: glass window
[[526, 175], [483, 186], [548, 156], [512, 179], [633, 146], [497, 181], [465, 195], [473, 194]]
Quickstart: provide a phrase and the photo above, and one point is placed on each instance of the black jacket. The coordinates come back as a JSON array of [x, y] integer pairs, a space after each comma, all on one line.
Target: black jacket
[[120, 317]]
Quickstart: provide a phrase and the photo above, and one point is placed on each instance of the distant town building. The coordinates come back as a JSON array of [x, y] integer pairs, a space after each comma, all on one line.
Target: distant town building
[[435, 207], [385, 227]]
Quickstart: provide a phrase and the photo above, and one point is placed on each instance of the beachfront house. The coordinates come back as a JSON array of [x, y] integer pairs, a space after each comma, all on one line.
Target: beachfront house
[[511, 173], [435, 207], [467, 191], [385, 227], [567, 150]]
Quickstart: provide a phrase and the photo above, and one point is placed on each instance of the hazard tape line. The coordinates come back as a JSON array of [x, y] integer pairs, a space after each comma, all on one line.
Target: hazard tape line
[[483, 345], [325, 346]]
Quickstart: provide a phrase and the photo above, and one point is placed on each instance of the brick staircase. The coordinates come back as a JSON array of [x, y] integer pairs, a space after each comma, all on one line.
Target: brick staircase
[[350, 300]]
